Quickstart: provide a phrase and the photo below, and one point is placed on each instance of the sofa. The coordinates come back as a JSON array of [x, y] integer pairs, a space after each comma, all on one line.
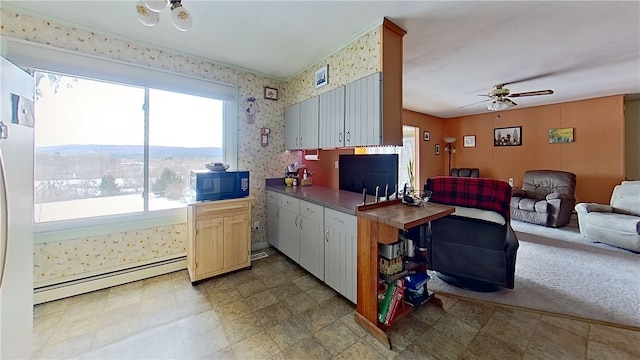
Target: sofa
[[465, 172], [546, 198], [616, 224], [475, 247]]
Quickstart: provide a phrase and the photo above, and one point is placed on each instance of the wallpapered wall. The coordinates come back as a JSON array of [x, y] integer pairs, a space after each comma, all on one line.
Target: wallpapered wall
[[59, 260]]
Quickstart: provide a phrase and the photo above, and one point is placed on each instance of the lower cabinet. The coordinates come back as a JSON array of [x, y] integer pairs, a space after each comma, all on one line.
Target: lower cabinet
[[311, 238], [273, 219], [218, 237], [321, 240], [289, 227], [340, 253]]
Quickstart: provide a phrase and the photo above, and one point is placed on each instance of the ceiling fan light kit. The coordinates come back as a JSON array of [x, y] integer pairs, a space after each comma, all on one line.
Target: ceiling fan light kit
[[499, 97], [148, 12]]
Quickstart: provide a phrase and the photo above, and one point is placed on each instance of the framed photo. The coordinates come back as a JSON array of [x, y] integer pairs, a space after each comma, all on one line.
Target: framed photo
[[426, 136], [322, 76], [564, 135], [270, 93], [437, 149], [508, 136], [469, 141]]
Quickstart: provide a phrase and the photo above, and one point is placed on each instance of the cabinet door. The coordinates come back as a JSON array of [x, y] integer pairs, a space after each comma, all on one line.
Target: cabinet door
[[273, 219], [312, 238], [290, 233], [292, 127], [331, 118], [236, 240], [341, 253], [363, 111], [209, 245], [309, 123]]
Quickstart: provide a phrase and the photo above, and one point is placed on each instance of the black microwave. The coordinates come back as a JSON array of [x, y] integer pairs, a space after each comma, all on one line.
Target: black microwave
[[219, 185]]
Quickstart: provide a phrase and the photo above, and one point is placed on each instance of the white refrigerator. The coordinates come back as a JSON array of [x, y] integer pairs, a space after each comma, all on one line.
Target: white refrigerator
[[16, 212]]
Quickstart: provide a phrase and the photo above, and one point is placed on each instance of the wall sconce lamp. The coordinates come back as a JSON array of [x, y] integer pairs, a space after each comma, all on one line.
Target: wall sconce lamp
[[450, 148]]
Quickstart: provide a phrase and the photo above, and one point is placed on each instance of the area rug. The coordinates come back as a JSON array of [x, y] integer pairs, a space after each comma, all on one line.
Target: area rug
[[560, 272]]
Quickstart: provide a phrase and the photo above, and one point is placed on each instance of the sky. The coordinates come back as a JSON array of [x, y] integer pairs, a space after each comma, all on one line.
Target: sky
[[93, 112]]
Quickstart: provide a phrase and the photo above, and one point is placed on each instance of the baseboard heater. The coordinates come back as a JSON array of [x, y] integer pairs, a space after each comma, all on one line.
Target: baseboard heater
[[87, 284]]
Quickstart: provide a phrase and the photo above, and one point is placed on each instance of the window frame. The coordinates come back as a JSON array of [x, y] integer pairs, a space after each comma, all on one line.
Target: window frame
[[46, 58]]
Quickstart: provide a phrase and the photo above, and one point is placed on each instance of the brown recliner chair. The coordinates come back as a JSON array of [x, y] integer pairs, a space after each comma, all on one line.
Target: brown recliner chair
[[546, 198], [465, 172]]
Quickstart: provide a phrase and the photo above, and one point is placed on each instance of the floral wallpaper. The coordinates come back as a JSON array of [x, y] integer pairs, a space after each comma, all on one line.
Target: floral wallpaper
[[57, 260], [355, 61]]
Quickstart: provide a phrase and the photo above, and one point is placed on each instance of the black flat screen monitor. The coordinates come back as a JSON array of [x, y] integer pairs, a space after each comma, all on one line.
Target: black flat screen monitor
[[357, 172]]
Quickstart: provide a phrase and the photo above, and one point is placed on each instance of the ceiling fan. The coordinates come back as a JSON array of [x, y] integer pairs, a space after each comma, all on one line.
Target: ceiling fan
[[500, 97]]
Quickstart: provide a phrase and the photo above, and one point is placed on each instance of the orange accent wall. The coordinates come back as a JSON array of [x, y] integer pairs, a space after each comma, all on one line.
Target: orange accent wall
[[596, 156], [324, 171], [430, 164]]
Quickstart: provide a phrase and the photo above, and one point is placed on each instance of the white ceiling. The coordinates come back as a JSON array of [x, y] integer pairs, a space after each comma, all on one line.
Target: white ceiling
[[453, 50]]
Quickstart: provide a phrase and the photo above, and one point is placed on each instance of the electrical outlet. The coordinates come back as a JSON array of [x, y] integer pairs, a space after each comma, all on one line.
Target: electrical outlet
[[335, 163], [256, 225], [511, 182]]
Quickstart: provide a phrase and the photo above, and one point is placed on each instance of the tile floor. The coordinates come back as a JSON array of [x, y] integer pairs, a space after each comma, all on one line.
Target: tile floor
[[279, 311]]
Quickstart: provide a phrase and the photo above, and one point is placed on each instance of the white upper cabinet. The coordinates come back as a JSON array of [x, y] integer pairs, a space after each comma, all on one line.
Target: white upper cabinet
[[332, 118], [301, 125], [363, 111], [292, 127], [309, 123]]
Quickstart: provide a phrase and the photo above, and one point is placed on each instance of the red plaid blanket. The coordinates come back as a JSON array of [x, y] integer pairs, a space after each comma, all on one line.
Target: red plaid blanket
[[481, 193]]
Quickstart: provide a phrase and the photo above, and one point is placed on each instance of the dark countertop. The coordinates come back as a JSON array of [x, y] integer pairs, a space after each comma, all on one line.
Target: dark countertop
[[339, 200]]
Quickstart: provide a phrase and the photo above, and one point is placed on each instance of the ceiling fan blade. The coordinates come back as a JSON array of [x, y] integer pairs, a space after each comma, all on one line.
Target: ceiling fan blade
[[529, 78], [511, 102], [475, 103], [532, 93]]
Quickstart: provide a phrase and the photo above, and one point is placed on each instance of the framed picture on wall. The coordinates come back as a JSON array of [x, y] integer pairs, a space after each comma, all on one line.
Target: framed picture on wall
[[508, 136], [426, 136], [469, 141], [322, 76], [563, 135]]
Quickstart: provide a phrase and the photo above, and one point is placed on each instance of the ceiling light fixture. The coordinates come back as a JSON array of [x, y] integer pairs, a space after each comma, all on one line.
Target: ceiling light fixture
[[500, 104], [149, 13]]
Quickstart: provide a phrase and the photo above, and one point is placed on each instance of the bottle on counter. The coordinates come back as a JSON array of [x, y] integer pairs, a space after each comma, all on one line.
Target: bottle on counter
[[295, 181]]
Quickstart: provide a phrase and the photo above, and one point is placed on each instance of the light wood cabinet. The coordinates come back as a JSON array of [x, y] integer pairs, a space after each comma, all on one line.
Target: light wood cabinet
[[301, 125], [340, 253], [218, 237]]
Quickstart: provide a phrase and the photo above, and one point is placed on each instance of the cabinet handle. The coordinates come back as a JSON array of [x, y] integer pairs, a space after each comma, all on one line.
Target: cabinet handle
[[340, 137], [339, 220], [296, 221], [326, 235], [278, 213], [348, 135], [229, 208], [309, 210], [301, 223]]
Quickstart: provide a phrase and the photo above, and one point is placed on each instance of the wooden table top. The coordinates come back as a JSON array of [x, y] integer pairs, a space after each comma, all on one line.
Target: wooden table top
[[402, 216]]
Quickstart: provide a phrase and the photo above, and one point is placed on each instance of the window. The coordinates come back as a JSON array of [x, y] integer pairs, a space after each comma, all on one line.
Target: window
[[105, 148], [406, 156]]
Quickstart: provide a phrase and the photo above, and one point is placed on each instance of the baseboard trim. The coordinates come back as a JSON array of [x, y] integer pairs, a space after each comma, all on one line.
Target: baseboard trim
[[46, 294]]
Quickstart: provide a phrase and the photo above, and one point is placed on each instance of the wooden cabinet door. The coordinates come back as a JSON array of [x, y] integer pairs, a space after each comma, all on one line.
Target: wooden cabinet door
[[209, 245], [363, 111], [236, 240], [309, 124], [292, 127], [331, 118]]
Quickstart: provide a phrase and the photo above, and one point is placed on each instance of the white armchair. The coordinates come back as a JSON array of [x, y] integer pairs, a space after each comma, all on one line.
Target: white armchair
[[617, 224]]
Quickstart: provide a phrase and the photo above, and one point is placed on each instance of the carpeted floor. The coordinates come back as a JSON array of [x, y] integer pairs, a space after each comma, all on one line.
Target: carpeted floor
[[560, 272]]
